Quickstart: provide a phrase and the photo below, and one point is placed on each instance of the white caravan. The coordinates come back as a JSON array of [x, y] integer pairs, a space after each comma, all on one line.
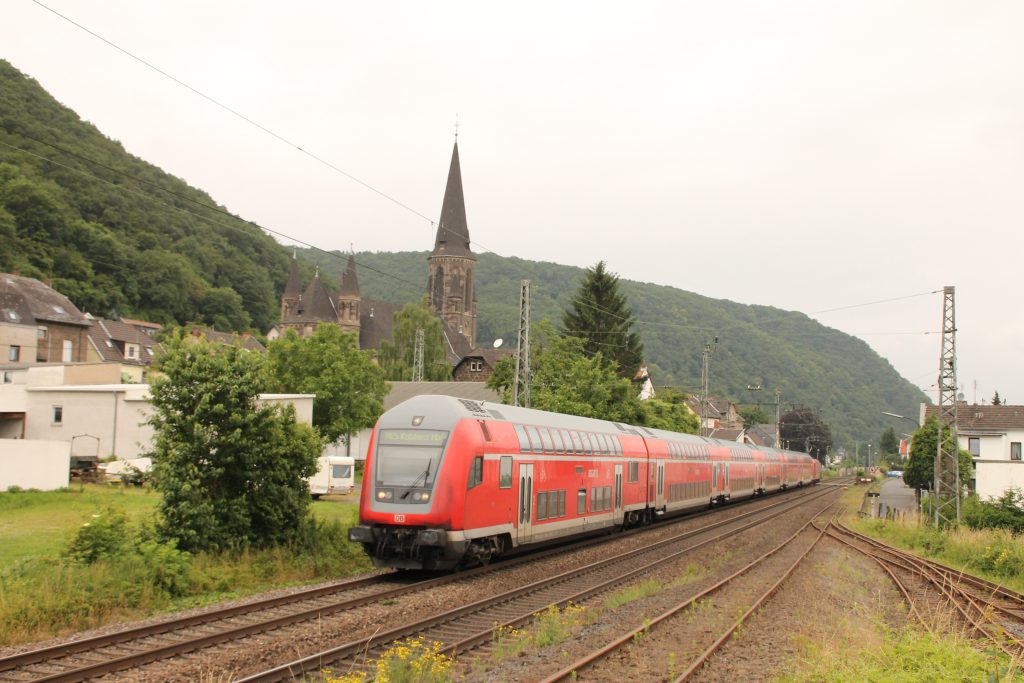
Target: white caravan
[[334, 474]]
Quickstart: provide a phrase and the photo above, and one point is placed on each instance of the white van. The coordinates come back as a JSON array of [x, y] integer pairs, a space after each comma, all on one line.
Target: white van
[[334, 474]]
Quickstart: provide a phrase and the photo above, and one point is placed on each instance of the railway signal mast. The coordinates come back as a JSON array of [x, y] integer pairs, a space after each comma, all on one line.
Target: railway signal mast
[[947, 456]]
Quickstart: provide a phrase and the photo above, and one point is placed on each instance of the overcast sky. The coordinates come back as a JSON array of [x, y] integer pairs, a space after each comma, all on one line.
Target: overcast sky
[[804, 155]]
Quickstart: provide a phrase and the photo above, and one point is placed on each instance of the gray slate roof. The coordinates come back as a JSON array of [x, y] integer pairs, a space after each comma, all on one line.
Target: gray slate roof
[[27, 301], [975, 418], [402, 391], [121, 332], [452, 228]]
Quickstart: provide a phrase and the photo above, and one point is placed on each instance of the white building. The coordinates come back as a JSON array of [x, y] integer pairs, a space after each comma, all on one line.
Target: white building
[[993, 436], [42, 405]]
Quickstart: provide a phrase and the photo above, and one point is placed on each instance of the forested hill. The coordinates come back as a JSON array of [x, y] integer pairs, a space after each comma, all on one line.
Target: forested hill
[[118, 236], [813, 365]]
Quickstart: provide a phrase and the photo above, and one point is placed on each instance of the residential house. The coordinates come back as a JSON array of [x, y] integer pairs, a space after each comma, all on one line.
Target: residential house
[[478, 365], [39, 324], [129, 343], [993, 436]]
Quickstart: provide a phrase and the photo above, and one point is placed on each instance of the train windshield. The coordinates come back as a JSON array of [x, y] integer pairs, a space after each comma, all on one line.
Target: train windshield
[[408, 457]]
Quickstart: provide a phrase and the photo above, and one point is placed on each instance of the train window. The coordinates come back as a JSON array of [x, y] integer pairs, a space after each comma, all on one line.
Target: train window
[[617, 445], [595, 500], [581, 502], [535, 442], [505, 472], [556, 434], [634, 472], [476, 471], [588, 447], [542, 505], [546, 441], [561, 503], [524, 440], [577, 444]]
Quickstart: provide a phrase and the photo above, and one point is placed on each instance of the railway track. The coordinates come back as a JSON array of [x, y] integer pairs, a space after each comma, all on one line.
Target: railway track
[[473, 625], [987, 609], [135, 647], [589, 666]]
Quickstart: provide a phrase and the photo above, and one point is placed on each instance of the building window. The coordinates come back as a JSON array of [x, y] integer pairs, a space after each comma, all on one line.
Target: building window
[[41, 332], [131, 351], [7, 375], [15, 353], [974, 446], [1015, 450], [65, 356], [58, 415]]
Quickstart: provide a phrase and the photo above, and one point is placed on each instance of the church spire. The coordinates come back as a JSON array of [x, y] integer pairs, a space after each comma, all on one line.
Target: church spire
[[293, 288], [349, 281], [452, 228]]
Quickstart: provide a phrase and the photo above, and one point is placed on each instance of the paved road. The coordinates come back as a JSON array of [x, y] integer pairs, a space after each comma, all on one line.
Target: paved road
[[895, 495]]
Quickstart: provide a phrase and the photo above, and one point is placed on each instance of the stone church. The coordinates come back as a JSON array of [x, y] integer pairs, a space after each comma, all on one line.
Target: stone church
[[449, 287]]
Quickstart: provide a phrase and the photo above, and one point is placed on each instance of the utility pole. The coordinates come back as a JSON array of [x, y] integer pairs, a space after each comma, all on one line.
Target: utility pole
[[417, 358], [521, 386], [947, 456], [705, 377], [778, 417]]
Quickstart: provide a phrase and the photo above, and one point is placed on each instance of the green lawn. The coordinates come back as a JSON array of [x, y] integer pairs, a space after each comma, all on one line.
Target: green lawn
[[40, 523]]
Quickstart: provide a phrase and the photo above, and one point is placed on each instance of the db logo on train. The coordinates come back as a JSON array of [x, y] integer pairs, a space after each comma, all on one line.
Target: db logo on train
[[399, 519]]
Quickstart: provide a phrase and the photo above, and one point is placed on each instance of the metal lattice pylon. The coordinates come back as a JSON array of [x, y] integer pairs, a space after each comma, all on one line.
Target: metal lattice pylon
[[947, 456], [521, 386], [417, 358]]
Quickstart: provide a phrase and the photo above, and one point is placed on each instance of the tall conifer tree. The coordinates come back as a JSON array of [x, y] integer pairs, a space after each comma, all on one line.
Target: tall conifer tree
[[600, 315]]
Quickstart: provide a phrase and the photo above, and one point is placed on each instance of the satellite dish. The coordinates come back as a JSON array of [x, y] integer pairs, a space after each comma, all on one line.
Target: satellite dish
[[498, 342]]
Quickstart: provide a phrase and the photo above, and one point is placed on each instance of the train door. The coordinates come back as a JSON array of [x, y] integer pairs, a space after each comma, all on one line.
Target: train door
[[618, 492], [714, 481], [661, 484], [524, 532], [727, 489]]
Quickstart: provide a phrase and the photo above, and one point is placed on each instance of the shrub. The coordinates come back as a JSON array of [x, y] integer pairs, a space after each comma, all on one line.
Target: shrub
[[105, 535], [1004, 512]]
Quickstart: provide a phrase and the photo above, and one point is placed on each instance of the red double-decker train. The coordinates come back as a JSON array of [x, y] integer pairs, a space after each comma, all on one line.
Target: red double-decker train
[[453, 482]]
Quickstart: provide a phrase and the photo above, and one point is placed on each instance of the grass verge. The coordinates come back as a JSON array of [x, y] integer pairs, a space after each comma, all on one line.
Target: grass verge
[[46, 590]]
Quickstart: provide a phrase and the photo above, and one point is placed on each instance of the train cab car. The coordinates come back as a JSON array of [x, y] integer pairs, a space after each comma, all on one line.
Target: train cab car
[[452, 482]]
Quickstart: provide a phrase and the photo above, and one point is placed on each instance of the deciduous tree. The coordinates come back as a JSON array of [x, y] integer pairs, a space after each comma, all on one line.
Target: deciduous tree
[[349, 388], [923, 448], [396, 356], [232, 473], [803, 430]]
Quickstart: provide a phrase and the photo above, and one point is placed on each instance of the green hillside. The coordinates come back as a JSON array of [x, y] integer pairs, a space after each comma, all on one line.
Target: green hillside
[[115, 245], [813, 365]]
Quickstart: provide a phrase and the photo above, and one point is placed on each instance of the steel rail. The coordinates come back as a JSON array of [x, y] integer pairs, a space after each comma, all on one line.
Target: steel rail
[[364, 647], [571, 671], [50, 656], [944, 580]]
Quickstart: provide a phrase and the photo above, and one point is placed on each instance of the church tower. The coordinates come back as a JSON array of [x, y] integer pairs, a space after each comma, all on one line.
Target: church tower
[[450, 283], [292, 292], [349, 299]]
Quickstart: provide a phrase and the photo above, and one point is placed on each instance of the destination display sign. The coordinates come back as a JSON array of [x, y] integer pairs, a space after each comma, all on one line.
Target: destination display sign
[[422, 437]]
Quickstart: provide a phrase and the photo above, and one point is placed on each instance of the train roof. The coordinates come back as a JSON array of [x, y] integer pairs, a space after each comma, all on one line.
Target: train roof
[[445, 410]]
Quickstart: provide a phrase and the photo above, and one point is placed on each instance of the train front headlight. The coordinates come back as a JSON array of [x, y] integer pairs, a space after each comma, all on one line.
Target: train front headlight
[[424, 496], [385, 494]]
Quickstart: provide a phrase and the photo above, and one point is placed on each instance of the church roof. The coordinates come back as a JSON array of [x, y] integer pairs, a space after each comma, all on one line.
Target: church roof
[[452, 228], [376, 322], [293, 288], [349, 281], [316, 303]]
